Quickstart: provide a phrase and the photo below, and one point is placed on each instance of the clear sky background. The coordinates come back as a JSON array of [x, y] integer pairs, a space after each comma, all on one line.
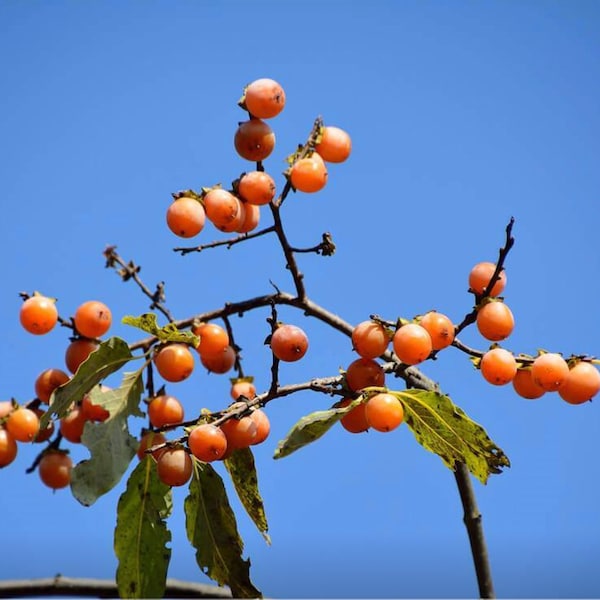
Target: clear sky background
[[462, 114]]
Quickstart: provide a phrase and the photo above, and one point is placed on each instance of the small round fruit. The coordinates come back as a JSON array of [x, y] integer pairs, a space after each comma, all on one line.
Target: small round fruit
[[412, 343], [150, 439], [582, 383], [78, 351], [525, 386], [23, 424], [174, 466], [72, 425], [370, 339], [6, 407], [251, 218], [384, 412], [549, 371], [186, 217], [440, 329], [38, 314], [244, 388], [220, 363], [335, 145], [214, 339], [92, 319], [174, 362], [308, 174], [55, 469], [264, 98], [47, 381], [207, 442], [254, 140], [354, 421], [364, 372], [241, 432], [263, 426], [289, 343], [256, 187], [223, 208], [165, 410], [495, 321], [498, 366], [480, 276], [94, 412], [8, 448]]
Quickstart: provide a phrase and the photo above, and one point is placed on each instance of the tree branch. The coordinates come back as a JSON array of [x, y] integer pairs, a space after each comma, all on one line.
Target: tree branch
[[100, 588]]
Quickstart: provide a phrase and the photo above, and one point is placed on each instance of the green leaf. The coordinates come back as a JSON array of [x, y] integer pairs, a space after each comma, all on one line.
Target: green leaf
[[443, 428], [242, 471], [141, 534], [110, 444], [109, 357], [212, 530], [311, 428], [148, 322]]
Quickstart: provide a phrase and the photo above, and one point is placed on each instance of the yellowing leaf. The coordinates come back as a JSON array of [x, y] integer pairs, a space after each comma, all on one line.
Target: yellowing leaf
[[148, 322], [443, 428], [242, 471]]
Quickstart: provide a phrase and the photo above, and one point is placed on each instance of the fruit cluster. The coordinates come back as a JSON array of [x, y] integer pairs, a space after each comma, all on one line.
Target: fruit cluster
[[576, 380], [237, 210]]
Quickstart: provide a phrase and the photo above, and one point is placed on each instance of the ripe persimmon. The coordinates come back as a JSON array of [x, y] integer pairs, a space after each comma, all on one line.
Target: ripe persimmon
[[498, 366], [47, 381], [384, 412], [92, 319], [174, 362], [549, 371], [495, 321], [78, 352], [244, 388], [214, 339], [264, 98], [370, 339], [38, 314], [165, 410], [8, 447], [308, 174], [364, 372], [412, 343], [256, 187], [223, 208], [23, 424], [354, 421], [335, 145], [440, 329], [150, 439], [289, 343], [263, 426], [207, 442], [220, 363], [72, 425], [55, 469], [240, 432], [481, 275], [525, 386], [251, 218], [254, 140], [186, 217], [174, 466], [581, 384]]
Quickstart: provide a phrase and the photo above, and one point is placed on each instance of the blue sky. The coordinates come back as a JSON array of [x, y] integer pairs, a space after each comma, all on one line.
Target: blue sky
[[462, 115]]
